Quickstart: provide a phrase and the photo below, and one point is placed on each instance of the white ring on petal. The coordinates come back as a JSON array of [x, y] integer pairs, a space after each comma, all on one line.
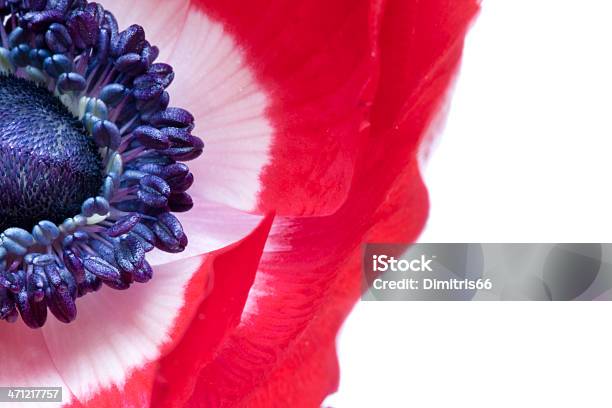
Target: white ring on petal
[[214, 82], [118, 331]]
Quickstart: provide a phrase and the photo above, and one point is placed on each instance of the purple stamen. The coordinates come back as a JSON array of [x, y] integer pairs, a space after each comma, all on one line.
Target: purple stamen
[[90, 156]]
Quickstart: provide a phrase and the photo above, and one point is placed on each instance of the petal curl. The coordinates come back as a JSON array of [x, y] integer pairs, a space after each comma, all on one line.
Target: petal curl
[[232, 273]]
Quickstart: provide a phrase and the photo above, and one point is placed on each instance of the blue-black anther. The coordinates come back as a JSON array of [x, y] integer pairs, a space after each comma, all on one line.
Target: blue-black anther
[[147, 87], [43, 260], [7, 306], [13, 281], [154, 191], [95, 205], [17, 241], [106, 134], [184, 146], [71, 82], [172, 117], [106, 249], [97, 108], [100, 268], [20, 236], [34, 314], [61, 5], [60, 293], [45, 232], [83, 28], [72, 239], [150, 53], [103, 45], [148, 108], [58, 38], [16, 37], [61, 303], [169, 172], [130, 64], [20, 55], [124, 225], [71, 224], [132, 40], [144, 273], [169, 233], [122, 283], [180, 202], [89, 120], [180, 185], [35, 75], [151, 137], [177, 175], [108, 187], [131, 205], [57, 65], [74, 264], [112, 94], [109, 22], [37, 57], [36, 283], [130, 177], [129, 253], [164, 73], [68, 225], [90, 284], [146, 236], [29, 257], [41, 20]]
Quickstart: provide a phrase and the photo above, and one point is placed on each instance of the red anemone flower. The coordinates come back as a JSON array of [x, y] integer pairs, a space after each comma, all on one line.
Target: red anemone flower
[[314, 114]]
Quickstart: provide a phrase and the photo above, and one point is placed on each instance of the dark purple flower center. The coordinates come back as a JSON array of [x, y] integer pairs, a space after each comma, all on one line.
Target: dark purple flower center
[[82, 201], [48, 163]]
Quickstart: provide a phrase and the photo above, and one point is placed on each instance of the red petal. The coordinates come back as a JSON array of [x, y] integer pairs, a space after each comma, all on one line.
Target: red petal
[[233, 271], [309, 277], [316, 61]]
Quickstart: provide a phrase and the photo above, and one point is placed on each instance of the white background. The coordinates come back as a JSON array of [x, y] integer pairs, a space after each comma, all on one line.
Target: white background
[[526, 156]]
